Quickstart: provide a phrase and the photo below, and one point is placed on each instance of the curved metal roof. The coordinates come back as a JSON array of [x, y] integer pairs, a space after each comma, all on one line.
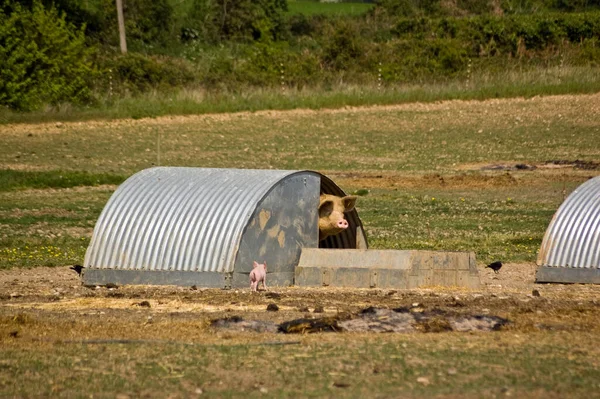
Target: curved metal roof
[[202, 210], [573, 237]]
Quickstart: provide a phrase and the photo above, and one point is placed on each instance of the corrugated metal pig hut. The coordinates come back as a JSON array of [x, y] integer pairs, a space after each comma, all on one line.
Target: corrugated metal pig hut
[[205, 227], [570, 251]]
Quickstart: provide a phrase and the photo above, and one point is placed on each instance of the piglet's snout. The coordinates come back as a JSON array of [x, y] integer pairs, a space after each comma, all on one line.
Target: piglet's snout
[[342, 224]]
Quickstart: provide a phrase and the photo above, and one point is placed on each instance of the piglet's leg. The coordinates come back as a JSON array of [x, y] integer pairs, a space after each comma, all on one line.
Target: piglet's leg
[[265, 282]]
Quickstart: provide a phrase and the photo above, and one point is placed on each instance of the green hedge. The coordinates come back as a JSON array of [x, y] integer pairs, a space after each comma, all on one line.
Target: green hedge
[[135, 73], [464, 8], [47, 61], [504, 34]]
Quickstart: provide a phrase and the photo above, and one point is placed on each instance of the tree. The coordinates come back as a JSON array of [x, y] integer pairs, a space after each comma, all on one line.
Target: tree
[[45, 60], [239, 20]]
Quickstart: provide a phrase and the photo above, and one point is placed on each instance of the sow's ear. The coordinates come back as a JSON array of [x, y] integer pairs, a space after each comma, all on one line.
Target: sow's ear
[[325, 207], [349, 202]]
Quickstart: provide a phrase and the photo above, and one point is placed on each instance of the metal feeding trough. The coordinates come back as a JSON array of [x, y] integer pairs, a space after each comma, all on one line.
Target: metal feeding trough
[[386, 268], [205, 227], [570, 251]]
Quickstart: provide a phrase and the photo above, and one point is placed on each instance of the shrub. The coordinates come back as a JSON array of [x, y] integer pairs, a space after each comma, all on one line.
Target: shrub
[[136, 73], [44, 59], [146, 21], [434, 59], [272, 64], [344, 47], [73, 11], [437, 8], [199, 23], [237, 20]]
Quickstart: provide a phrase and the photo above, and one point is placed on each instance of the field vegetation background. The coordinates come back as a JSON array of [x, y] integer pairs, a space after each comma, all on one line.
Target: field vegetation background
[[62, 57]]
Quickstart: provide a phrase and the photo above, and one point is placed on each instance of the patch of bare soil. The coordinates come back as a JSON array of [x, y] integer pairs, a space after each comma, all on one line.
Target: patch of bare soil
[[52, 303], [485, 176], [576, 164], [394, 180]]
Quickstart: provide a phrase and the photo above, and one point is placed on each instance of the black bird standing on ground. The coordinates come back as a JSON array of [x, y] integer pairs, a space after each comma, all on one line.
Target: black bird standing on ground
[[77, 268], [495, 266]]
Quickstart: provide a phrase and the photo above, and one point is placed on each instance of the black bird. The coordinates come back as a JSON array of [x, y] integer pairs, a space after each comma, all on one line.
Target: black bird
[[495, 266], [77, 268]]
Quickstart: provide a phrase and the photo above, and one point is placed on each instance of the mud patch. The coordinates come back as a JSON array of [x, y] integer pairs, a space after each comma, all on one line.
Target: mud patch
[[405, 320], [392, 181], [371, 320], [576, 164], [518, 166], [237, 323]]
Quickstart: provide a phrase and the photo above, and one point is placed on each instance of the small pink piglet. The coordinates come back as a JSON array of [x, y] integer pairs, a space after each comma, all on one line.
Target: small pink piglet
[[258, 274]]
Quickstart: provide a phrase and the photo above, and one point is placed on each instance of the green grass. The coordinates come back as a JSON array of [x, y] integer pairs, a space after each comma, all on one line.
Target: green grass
[[48, 227], [441, 365], [505, 84], [313, 7], [19, 180], [496, 227]]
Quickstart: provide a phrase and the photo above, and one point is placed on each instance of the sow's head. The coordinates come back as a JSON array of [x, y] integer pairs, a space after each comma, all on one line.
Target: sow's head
[[331, 214]]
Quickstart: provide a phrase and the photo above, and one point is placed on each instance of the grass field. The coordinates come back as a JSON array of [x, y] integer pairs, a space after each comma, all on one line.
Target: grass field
[[439, 175], [424, 166]]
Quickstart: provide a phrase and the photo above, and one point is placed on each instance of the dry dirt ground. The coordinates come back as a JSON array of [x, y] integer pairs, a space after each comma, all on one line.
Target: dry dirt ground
[[61, 339], [52, 303]]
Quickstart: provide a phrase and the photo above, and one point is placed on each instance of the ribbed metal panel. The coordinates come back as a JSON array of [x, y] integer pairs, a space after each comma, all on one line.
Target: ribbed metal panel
[[572, 239], [178, 219]]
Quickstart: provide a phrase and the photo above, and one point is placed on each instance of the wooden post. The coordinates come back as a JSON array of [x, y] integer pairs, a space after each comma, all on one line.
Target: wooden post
[[123, 41]]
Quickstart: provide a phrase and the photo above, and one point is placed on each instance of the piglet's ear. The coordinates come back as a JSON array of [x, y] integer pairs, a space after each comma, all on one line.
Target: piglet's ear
[[255, 264], [265, 266], [349, 202]]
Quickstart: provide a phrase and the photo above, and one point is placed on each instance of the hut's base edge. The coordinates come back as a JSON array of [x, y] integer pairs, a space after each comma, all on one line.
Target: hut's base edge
[[569, 275], [102, 277]]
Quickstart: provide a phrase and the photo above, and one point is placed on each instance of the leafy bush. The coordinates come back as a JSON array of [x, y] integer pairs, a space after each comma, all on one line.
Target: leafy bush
[[136, 73], [146, 21], [494, 35], [236, 20], [435, 59], [199, 23], [410, 8], [44, 59], [343, 47], [438, 8], [73, 10]]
